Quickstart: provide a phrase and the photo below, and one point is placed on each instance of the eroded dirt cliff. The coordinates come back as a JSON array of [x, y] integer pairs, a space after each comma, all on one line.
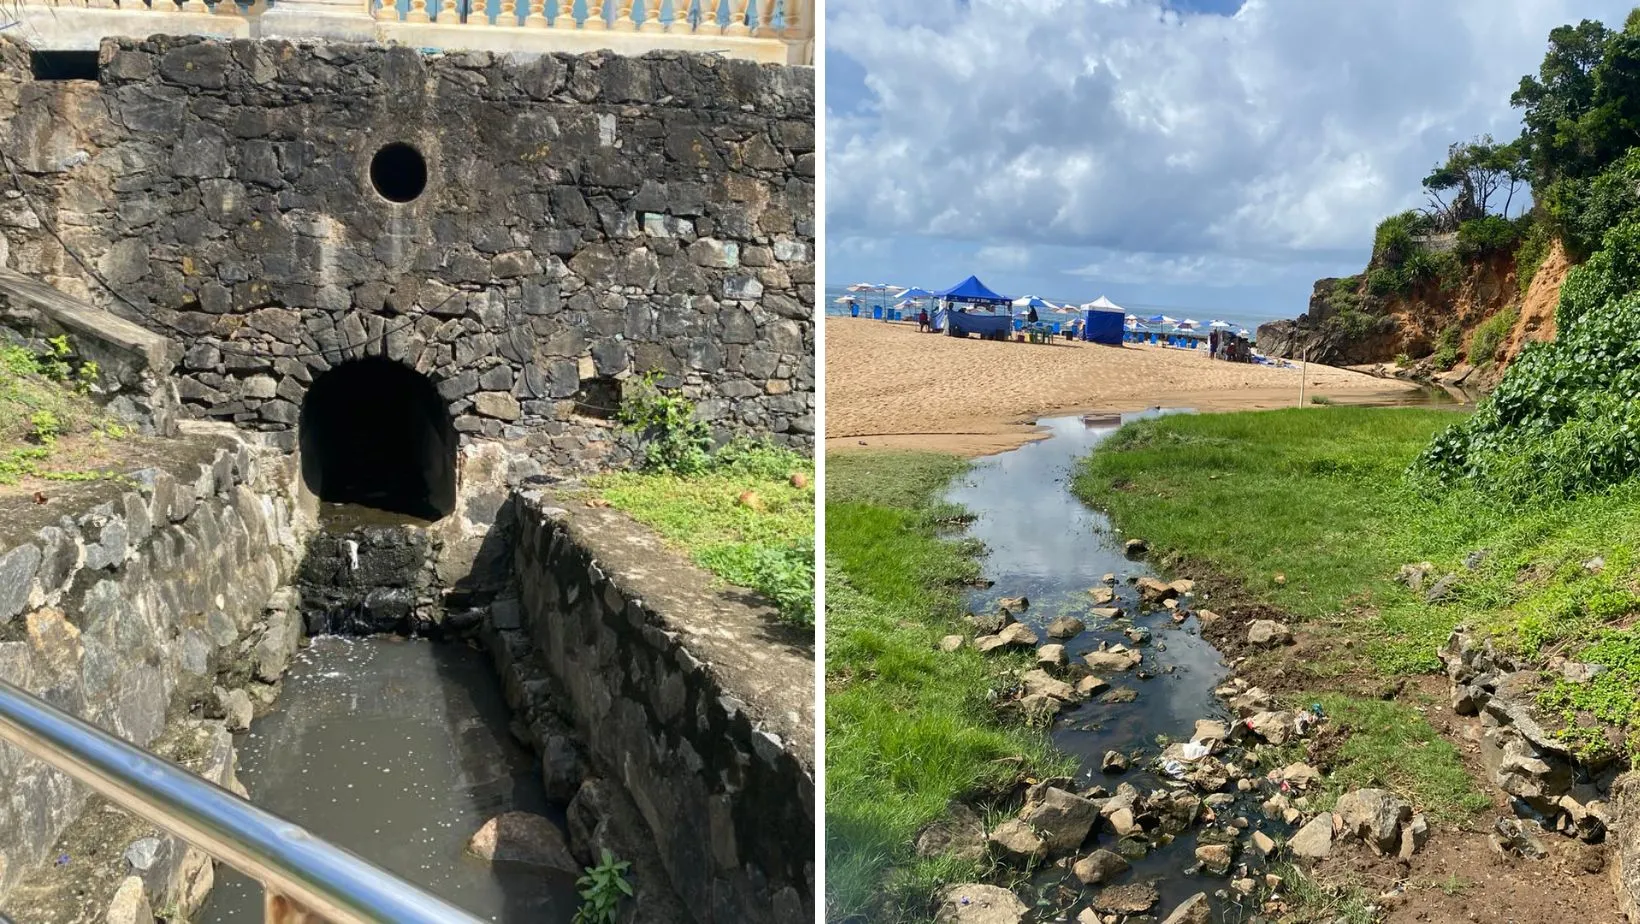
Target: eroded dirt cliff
[[1457, 333]]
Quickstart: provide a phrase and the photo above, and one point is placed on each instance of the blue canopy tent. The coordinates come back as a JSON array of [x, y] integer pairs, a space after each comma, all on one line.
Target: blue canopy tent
[[973, 292], [1101, 326]]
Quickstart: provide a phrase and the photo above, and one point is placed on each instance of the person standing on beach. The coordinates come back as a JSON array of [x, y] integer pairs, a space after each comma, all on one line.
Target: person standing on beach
[[922, 320], [1213, 344]]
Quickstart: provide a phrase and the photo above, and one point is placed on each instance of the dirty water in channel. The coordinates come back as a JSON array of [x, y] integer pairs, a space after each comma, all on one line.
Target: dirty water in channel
[[398, 750], [1044, 544]]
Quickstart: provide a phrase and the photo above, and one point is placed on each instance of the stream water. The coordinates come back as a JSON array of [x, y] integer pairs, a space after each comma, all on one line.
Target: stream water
[[398, 750], [1044, 544]]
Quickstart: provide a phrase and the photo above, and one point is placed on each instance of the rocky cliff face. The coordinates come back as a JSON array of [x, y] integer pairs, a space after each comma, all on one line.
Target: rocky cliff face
[[1346, 325]]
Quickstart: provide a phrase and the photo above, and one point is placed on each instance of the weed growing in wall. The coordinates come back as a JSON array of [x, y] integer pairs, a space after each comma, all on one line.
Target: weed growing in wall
[[602, 888], [674, 439]]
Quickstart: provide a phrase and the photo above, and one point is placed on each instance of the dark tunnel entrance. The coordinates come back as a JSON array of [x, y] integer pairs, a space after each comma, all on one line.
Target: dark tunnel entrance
[[375, 432]]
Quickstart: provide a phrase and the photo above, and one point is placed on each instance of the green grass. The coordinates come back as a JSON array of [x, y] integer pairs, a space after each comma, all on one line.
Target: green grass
[[48, 424], [1312, 495], [1319, 495], [1392, 746], [1347, 902], [908, 728], [766, 545]]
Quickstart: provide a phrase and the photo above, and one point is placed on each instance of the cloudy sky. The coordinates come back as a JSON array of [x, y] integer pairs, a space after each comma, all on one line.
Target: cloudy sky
[[1186, 154]]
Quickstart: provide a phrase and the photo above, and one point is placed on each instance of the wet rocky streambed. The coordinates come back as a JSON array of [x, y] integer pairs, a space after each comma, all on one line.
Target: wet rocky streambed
[[1169, 815]]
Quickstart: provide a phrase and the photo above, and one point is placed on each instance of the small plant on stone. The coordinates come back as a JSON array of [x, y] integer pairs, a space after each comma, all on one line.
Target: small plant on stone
[[675, 440], [602, 889]]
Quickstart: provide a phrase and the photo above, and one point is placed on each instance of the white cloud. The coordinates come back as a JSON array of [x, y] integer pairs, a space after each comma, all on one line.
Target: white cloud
[[1210, 270], [1004, 256], [1293, 125]]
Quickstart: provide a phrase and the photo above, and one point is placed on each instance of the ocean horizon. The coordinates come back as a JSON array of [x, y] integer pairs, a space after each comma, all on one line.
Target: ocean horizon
[[1239, 318]]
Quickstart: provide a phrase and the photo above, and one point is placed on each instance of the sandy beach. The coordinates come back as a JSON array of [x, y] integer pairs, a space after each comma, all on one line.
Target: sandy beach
[[888, 386]]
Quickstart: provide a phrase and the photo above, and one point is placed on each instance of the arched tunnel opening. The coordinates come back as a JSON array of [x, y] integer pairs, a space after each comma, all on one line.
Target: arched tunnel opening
[[375, 432]]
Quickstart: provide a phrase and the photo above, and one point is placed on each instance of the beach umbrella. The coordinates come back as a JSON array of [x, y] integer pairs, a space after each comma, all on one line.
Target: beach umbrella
[[1167, 320], [1031, 301], [1187, 323], [1220, 325], [847, 300], [866, 287], [1158, 319], [1242, 332], [916, 292]]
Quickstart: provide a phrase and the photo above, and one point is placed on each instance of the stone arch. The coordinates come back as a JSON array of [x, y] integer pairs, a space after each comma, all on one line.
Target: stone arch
[[375, 432]]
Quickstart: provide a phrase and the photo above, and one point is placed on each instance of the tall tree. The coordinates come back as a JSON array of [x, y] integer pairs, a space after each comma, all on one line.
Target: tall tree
[[1556, 100], [1475, 172]]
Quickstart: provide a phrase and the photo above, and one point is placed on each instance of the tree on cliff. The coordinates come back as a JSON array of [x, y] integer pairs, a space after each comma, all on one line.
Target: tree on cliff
[[1474, 172], [1559, 96], [1582, 110]]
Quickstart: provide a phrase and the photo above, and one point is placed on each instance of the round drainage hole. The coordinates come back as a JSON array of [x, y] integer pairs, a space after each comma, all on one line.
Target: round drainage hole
[[399, 172]]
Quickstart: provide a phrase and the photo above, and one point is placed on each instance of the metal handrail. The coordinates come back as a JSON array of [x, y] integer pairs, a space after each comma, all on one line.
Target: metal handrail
[[321, 877]]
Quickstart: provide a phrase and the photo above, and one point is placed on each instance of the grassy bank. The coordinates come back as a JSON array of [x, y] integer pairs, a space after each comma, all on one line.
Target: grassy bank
[[908, 728], [1311, 511], [748, 518], [50, 430]]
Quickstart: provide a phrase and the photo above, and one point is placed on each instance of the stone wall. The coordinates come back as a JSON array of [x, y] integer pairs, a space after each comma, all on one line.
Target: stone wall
[[584, 219], [134, 604], [696, 702]]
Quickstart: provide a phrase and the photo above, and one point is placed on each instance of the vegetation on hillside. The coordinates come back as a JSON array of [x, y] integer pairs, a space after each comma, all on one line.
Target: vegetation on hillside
[[908, 728], [1564, 420]]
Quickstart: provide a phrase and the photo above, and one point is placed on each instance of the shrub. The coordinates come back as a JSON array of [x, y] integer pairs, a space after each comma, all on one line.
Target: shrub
[[45, 428], [1447, 348], [1491, 234], [674, 439], [1586, 208], [1386, 280], [1533, 249], [602, 888], [1489, 336], [759, 459], [1395, 238]]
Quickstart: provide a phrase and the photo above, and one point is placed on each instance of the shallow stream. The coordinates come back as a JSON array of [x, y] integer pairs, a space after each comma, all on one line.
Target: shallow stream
[[1044, 544]]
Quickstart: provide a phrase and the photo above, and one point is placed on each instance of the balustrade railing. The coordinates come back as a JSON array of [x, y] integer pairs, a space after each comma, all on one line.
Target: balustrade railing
[[767, 30]]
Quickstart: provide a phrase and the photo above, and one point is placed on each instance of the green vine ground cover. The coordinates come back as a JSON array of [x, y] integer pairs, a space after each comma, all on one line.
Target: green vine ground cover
[[908, 729], [1322, 497]]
